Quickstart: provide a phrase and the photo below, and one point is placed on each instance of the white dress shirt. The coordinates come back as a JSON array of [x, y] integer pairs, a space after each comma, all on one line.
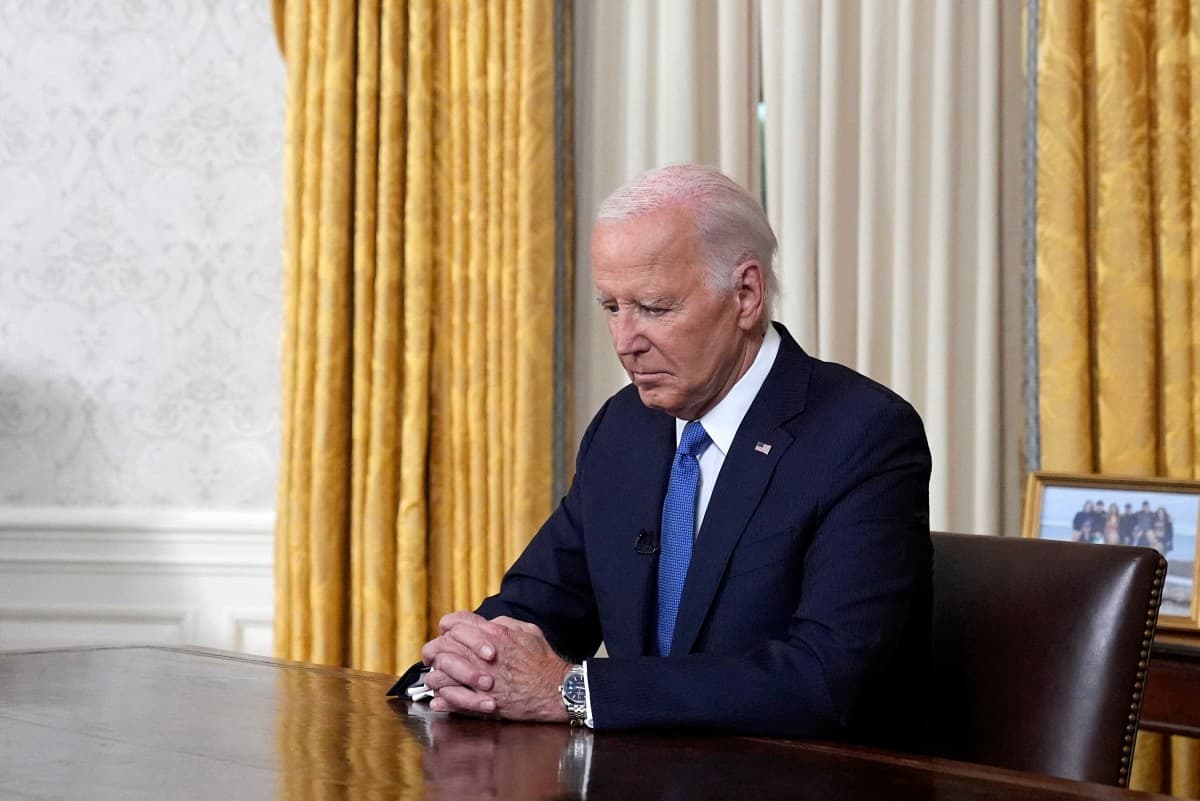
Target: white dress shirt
[[723, 420]]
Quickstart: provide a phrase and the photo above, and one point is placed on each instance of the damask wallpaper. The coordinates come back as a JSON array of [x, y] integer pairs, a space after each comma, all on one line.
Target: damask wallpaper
[[140, 252]]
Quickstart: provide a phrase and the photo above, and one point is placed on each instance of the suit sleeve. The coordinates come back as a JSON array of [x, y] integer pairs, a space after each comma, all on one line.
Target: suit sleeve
[[549, 584], [861, 577]]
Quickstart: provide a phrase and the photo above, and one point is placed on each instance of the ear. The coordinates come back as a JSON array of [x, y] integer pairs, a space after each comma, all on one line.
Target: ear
[[749, 285]]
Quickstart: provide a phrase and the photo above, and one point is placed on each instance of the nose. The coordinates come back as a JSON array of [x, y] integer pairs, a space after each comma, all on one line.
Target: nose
[[626, 332]]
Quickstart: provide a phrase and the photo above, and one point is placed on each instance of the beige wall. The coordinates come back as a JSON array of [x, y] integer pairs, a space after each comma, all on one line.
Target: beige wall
[[140, 279]]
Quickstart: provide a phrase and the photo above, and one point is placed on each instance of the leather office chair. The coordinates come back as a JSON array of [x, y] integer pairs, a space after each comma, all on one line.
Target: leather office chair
[[1040, 651]]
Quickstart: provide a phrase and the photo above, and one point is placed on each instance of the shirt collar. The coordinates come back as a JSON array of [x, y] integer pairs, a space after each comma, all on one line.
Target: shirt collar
[[723, 420]]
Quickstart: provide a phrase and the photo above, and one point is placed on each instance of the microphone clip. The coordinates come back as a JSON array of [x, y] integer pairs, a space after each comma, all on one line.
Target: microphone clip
[[646, 543]]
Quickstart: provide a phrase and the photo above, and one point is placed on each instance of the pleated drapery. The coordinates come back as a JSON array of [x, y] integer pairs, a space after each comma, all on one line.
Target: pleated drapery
[[422, 202], [1118, 261], [662, 82], [883, 177], [884, 161]]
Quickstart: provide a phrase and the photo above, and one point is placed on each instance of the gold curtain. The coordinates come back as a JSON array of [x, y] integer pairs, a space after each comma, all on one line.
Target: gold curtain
[[1118, 265], [420, 314]]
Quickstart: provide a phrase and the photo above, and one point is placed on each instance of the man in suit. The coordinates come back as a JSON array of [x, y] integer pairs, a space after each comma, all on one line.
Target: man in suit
[[747, 531]]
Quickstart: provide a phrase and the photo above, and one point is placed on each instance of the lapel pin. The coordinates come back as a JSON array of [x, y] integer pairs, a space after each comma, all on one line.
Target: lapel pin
[[762, 447]]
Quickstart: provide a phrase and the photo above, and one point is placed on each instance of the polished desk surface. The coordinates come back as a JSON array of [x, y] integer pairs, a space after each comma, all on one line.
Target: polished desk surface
[[179, 723]]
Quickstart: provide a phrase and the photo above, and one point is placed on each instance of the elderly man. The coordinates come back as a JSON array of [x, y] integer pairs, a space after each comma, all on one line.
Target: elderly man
[[747, 531]]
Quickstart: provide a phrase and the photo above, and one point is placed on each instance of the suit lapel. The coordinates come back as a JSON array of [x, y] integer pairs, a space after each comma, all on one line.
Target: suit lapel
[[740, 486], [648, 468]]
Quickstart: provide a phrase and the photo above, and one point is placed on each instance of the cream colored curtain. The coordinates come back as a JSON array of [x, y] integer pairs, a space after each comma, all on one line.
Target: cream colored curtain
[[419, 316], [661, 82], [892, 179], [885, 146], [1118, 261]]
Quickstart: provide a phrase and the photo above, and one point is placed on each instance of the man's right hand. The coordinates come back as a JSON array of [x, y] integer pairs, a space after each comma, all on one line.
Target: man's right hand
[[503, 667], [461, 660]]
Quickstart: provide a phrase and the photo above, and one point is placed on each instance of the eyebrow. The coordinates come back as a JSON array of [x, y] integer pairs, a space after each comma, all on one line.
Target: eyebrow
[[658, 301], [653, 301]]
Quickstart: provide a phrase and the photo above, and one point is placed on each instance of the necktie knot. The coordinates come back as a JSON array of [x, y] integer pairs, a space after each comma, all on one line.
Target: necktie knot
[[694, 440]]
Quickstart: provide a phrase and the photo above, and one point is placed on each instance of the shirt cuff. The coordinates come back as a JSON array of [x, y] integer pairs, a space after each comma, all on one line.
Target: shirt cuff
[[587, 699]]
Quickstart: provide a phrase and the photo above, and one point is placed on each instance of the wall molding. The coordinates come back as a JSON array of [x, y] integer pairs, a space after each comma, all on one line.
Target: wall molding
[[62, 624], [117, 613], [81, 575], [136, 541], [241, 624], [122, 567], [132, 519]]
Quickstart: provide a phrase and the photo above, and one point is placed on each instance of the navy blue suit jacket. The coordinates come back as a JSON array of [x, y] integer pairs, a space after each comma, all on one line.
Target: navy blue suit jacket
[[806, 608]]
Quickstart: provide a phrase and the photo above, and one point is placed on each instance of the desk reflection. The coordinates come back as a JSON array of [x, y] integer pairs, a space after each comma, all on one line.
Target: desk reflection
[[488, 760], [174, 724], [337, 739]]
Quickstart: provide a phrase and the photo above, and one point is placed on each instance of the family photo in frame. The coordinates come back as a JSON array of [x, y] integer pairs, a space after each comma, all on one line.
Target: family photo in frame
[[1162, 514]]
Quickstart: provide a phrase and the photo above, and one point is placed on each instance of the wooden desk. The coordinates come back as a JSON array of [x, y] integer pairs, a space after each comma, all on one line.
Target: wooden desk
[[176, 723], [1171, 704]]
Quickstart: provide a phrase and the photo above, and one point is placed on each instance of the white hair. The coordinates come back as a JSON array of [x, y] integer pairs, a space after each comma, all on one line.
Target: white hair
[[732, 225]]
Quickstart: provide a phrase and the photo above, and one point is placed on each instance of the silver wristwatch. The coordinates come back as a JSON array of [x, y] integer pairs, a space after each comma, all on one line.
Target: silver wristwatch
[[574, 695]]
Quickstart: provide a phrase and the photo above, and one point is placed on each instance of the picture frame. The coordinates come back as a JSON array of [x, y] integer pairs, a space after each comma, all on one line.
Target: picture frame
[[1062, 506]]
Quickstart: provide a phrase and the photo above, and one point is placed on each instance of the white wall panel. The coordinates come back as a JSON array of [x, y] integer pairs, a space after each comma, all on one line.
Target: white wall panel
[[52, 625], [141, 154], [128, 576], [249, 630], [140, 253]]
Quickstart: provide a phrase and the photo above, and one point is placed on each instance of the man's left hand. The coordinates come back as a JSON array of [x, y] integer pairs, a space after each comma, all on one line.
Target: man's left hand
[[519, 681]]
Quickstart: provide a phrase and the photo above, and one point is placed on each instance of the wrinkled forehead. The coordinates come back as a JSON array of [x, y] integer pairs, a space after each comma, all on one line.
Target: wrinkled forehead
[[645, 237]]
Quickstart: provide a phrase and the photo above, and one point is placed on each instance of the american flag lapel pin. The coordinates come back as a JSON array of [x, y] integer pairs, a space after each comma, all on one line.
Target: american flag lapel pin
[[762, 447]]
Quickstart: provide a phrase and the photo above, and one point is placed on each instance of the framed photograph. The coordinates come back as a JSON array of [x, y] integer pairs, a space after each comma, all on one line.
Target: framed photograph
[[1157, 513]]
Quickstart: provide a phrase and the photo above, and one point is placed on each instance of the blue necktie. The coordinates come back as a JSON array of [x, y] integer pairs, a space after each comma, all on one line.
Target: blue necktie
[[678, 530]]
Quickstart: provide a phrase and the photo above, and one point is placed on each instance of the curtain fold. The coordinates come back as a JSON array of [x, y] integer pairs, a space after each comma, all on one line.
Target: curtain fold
[[1118, 255], [421, 275], [883, 160], [663, 81], [885, 180]]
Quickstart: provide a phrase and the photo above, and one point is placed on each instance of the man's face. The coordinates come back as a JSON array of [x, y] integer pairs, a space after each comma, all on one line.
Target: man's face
[[682, 344]]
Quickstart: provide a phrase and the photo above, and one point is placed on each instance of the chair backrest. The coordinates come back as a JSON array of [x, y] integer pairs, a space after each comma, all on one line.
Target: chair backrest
[[1040, 651]]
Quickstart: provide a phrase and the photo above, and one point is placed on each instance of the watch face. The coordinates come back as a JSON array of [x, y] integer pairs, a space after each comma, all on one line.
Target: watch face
[[574, 689]]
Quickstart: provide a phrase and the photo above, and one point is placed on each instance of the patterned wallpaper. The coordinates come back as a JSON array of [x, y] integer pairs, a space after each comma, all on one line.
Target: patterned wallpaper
[[140, 252]]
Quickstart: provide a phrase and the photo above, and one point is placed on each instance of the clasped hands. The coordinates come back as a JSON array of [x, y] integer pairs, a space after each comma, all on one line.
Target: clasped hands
[[495, 668]]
